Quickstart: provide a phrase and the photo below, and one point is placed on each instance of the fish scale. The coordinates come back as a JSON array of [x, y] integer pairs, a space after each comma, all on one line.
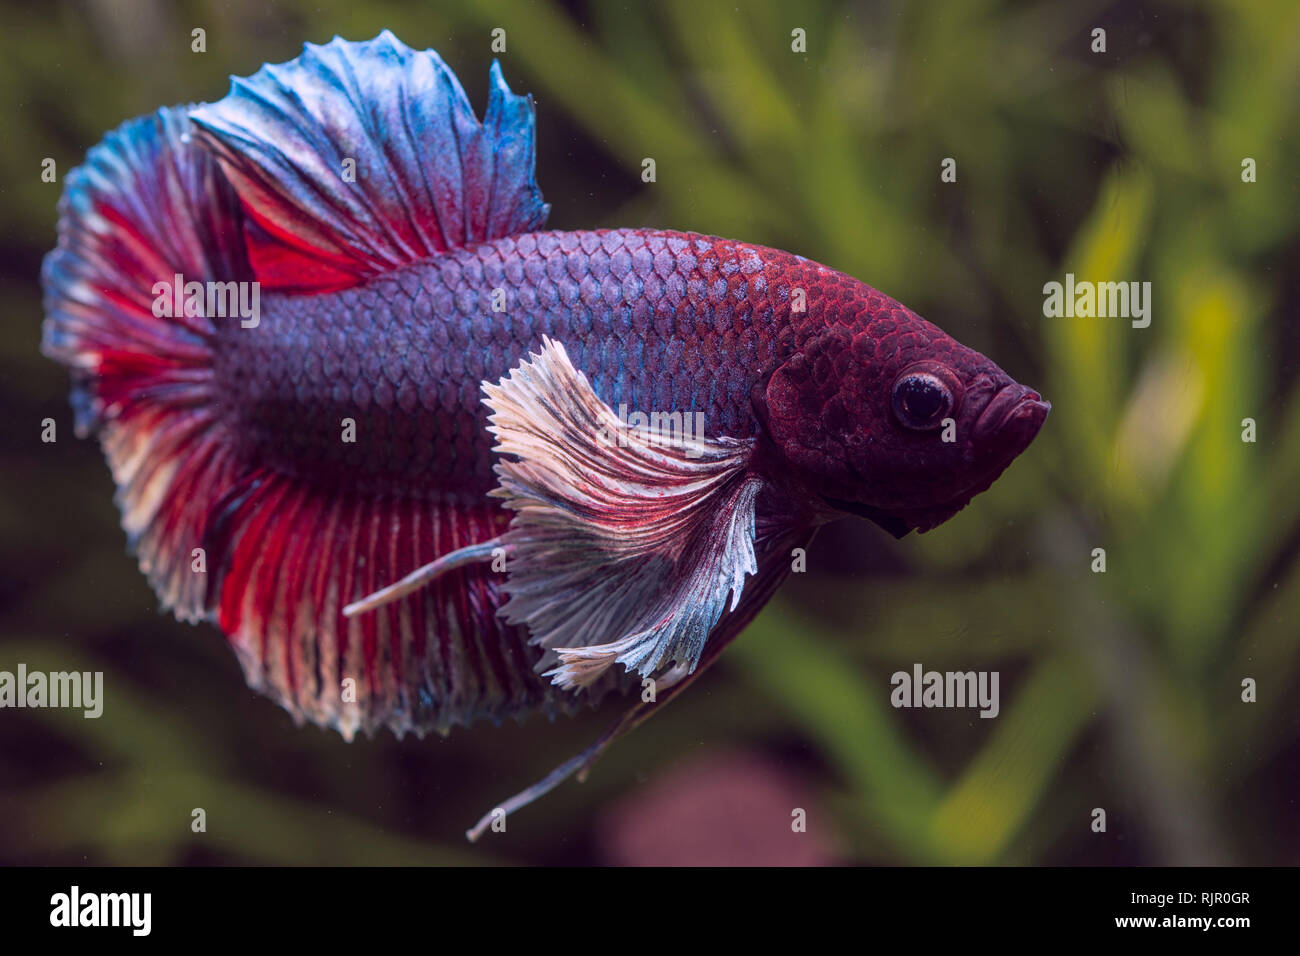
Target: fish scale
[[698, 331]]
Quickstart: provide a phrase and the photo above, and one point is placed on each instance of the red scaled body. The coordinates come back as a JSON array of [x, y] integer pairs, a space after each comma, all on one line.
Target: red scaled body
[[657, 320]]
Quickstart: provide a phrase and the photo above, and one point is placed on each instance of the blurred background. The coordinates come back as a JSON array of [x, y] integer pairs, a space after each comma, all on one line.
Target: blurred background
[[1119, 690]]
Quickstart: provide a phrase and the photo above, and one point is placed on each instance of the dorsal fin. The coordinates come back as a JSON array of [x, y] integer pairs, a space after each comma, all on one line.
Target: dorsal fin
[[428, 176]]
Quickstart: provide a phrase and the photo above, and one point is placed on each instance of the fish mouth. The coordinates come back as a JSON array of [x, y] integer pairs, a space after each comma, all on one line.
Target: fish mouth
[[1004, 428], [1015, 413]]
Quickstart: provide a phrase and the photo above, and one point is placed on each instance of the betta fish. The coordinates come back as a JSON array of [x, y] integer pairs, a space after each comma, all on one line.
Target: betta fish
[[423, 461]]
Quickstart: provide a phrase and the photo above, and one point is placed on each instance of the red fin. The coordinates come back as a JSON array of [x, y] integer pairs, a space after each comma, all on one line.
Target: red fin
[[356, 158], [146, 205], [288, 557]]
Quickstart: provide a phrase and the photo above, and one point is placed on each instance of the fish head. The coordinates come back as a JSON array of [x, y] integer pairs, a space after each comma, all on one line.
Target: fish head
[[886, 416]]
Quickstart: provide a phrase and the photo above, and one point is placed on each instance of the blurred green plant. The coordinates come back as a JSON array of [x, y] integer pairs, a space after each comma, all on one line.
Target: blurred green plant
[[1120, 689]]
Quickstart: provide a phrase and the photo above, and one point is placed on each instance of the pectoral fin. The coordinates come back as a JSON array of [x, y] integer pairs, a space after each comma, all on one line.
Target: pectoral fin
[[626, 545]]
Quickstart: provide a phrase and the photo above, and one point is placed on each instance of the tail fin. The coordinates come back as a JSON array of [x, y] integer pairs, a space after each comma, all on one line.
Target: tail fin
[[149, 203], [253, 188]]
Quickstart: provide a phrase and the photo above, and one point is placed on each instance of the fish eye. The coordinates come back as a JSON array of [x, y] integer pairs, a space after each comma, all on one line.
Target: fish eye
[[921, 400]]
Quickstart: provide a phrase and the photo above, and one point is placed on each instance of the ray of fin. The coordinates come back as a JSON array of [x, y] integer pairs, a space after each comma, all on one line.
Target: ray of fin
[[540, 789], [423, 576]]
